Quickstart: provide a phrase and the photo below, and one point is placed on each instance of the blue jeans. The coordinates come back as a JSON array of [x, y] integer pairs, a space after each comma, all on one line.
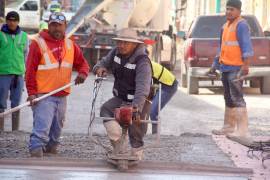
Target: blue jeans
[[167, 93], [48, 115], [14, 84], [233, 90]]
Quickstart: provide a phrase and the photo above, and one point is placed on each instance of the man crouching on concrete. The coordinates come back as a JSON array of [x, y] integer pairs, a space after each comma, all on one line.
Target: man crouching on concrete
[[131, 69]]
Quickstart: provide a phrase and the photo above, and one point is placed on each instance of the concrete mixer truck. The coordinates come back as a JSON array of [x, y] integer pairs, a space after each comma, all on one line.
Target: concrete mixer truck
[[97, 22]]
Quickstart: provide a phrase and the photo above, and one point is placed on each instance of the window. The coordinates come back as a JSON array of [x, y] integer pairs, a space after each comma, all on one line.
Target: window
[[29, 6]]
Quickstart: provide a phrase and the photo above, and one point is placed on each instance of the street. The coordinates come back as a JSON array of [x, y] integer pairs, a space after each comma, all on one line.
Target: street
[[186, 124], [197, 33], [183, 114]]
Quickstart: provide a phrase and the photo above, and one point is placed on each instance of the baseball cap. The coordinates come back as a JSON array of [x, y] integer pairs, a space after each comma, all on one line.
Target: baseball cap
[[13, 16], [234, 3], [57, 17]]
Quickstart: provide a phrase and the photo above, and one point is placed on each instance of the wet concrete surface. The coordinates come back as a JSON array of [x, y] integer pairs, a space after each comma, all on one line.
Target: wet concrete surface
[[100, 170], [11, 174]]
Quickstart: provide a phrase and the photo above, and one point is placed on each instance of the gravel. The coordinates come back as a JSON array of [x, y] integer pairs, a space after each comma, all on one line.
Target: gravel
[[187, 148]]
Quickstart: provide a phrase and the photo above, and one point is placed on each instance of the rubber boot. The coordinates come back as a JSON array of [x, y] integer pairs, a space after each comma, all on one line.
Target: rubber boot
[[2, 123], [241, 135], [229, 122], [113, 129], [120, 147], [138, 152], [114, 132], [15, 120], [51, 149], [38, 152]]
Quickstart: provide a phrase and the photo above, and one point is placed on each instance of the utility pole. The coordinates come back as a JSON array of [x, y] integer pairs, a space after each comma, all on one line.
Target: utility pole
[[2, 8]]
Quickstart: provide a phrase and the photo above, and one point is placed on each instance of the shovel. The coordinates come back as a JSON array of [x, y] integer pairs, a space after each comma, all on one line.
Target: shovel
[[36, 100]]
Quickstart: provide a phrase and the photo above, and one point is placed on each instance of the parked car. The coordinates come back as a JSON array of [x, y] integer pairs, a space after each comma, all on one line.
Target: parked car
[[200, 48]]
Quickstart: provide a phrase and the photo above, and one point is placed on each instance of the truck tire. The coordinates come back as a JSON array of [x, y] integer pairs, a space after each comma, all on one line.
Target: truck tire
[[255, 82], [265, 87], [192, 84]]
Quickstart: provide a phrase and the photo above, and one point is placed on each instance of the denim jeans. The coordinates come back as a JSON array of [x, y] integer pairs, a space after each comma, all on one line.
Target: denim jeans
[[136, 132], [167, 93], [49, 116], [233, 90], [14, 84]]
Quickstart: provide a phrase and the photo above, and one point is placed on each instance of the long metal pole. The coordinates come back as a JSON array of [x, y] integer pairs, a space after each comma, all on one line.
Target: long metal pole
[[35, 100], [2, 8]]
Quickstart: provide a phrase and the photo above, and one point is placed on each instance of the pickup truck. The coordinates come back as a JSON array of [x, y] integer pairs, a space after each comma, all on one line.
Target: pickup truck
[[29, 11], [200, 48]]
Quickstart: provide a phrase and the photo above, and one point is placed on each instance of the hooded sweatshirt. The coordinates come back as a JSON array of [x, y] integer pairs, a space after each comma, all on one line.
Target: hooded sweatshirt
[[56, 46]]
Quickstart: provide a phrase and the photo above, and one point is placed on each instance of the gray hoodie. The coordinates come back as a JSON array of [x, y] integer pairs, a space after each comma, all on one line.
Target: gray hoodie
[[143, 73]]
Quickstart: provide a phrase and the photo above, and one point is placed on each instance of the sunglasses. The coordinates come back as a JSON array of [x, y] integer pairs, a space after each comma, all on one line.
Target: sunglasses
[[58, 17]]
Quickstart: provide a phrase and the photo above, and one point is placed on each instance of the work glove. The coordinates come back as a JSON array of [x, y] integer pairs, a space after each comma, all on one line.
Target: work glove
[[152, 93], [31, 99], [101, 72], [244, 70], [80, 79], [241, 75], [212, 73]]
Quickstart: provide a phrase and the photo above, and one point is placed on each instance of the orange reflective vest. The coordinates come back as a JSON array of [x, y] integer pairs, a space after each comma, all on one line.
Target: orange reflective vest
[[51, 74], [230, 49]]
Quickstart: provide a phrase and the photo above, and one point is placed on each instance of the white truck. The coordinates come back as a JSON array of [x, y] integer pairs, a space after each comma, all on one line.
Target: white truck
[[29, 11], [97, 21]]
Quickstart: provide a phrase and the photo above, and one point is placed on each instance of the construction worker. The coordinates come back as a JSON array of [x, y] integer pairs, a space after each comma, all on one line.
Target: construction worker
[[13, 49], [131, 69], [49, 66], [233, 62], [169, 86], [55, 7], [43, 24]]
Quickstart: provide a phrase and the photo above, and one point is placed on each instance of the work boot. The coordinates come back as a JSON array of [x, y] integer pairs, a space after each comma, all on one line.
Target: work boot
[[241, 135], [2, 123], [114, 132], [229, 122], [138, 152], [15, 120], [38, 152], [51, 149]]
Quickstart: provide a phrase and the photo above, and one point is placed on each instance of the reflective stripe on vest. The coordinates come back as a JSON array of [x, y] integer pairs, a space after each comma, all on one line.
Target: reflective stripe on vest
[[162, 74], [51, 74], [19, 40], [117, 60], [230, 49], [5, 37]]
